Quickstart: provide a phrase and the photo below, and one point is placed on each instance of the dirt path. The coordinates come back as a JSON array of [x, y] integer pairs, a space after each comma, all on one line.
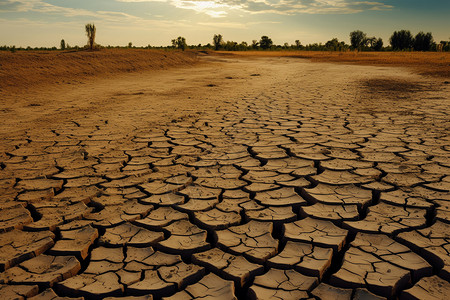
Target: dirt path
[[267, 178]]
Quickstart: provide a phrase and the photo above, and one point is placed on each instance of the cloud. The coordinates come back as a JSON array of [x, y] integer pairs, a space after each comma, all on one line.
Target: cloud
[[220, 8], [212, 8]]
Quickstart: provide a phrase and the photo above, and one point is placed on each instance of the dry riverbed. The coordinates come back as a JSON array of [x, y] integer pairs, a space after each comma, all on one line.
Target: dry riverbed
[[229, 177]]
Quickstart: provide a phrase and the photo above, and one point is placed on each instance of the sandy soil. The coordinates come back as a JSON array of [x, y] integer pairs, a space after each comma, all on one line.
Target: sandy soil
[[277, 177]]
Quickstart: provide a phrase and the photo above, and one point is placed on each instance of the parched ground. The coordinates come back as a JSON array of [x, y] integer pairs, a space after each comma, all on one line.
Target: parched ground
[[236, 178]]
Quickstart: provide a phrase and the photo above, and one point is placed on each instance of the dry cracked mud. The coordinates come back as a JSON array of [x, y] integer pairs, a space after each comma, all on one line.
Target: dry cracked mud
[[303, 182]]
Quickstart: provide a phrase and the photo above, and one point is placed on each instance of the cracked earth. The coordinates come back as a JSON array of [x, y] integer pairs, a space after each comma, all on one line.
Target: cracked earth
[[269, 178]]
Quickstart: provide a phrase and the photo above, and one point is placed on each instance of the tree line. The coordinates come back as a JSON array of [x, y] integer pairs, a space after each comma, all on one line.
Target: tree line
[[401, 40]]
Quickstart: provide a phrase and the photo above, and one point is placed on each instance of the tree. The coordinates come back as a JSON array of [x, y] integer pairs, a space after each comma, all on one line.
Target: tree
[[358, 39], [402, 40], [255, 44], [218, 41], [378, 45], [130, 44], [63, 44], [298, 44], [423, 41], [179, 43], [90, 32], [265, 42]]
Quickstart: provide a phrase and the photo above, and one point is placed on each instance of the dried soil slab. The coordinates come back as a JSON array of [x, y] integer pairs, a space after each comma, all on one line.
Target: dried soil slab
[[228, 266], [14, 217], [18, 292], [164, 199], [43, 270], [138, 259], [341, 194], [262, 176], [268, 154], [128, 234], [431, 243], [378, 186], [305, 258], [272, 214], [166, 279], [162, 217], [210, 287], [84, 181], [145, 297], [127, 181], [185, 238], [196, 205], [345, 164], [389, 219], [317, 232], [261, 187], [49, 294], [291, 165], [442, 210], [221, 183], [75, 242], [200, 192], [414, 197], [380, 264], [433, 288], [235, 194], [216, 219], [341, 178], [398, 168], [39, 184], [312, 153], [325, 291], [280, 197], [160, 187], [17, 246], [281, 284], [380, 157], [331, 212], [35, 196], [113, 215], [442, 186], [80, 194], [403, 179], [229, 172], [253, 240], [75, 173], [52, 215], [92, 286]]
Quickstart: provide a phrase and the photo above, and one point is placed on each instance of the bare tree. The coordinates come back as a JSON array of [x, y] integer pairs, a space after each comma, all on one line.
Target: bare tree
[[90, 32]]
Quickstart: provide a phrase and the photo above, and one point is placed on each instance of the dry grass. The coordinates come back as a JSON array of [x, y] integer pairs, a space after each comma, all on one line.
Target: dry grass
[[25, 69], [436, 64]]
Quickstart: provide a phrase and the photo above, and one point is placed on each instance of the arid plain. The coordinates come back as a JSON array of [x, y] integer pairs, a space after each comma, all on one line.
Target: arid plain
[[141, 174]]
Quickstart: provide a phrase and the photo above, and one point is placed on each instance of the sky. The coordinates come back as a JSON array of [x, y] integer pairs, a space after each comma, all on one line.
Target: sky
[[156, 22]]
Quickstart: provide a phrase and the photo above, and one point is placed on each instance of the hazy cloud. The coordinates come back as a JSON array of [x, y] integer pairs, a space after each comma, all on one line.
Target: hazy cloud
[[219, 8]]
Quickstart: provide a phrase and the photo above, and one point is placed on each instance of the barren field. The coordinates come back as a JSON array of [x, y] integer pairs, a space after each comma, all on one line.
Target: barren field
[[227, 177]]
